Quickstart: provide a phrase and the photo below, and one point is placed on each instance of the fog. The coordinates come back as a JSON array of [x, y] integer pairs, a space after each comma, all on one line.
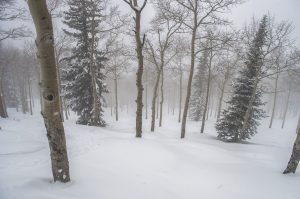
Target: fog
[[152, 95]]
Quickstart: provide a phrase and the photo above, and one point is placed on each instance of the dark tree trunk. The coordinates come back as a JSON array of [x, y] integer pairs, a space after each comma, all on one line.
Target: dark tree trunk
[[30, 96], [96, 104], [139, 75], [286, 107], [207, 94], [3, 111], [189, 87], [221, 100], [180, 96], [146, 97], [116, 98], [174, 101], [111, 106], [24, 103], [162, 97], [32, 99], [157, 104], [154, 98], [274, 102]]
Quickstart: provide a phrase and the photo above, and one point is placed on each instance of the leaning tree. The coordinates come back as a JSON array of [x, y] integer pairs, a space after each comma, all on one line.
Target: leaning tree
[[50, 110], [240, 120]]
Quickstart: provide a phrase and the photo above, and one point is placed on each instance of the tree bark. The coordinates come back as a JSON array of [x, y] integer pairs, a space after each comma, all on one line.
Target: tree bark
[[41, 97], [3, 111], [226, 78], [111, 105], [211, 104], [2, 107], [26, 98], [59, 84], [23, 96], [30, 96], [68, 110], [286, 107], [220, 101], [15, 86], [65, 108], [174, 100], [161, 96], [32, 99], [189, 86], [207, 92], [50, 110], [38, 71], [155, 94], [274, 102], [295, 157], [180, 96], [139, 74], [96, 108], [116, 98], [157, 103], [146, 97], [208, 106]]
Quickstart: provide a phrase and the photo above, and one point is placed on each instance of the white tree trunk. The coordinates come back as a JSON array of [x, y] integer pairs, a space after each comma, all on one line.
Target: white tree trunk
[[50, 110], [295, 157]]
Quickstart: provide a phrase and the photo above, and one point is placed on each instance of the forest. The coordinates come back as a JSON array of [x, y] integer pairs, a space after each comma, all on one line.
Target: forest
[[149, 99]]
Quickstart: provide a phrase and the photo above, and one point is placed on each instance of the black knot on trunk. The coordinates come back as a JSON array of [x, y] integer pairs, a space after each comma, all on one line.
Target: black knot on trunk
[[49, 97]]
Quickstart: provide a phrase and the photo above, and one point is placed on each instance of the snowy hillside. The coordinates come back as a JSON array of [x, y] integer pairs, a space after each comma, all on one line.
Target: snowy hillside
[[110, 163]]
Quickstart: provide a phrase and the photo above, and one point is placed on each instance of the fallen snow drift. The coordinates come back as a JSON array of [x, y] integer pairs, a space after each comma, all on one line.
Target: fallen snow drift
[[110, 163]]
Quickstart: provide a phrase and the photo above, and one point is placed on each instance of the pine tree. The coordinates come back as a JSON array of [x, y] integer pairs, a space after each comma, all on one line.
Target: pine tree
[[240, 120], [83, 78], [197, 98]]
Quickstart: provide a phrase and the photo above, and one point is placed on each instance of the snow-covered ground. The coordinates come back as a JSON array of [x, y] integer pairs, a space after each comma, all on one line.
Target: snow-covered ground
[[110, 163]]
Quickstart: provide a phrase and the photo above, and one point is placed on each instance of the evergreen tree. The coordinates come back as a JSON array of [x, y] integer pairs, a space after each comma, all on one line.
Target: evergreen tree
[[198, 89], [84, 75], [240, 120]]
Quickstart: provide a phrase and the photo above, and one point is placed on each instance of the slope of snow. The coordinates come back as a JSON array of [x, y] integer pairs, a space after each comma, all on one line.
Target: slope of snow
[[110, 163]]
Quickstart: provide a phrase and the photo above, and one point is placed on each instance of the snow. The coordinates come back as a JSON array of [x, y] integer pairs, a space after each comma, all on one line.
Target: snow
[[110, 163]]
